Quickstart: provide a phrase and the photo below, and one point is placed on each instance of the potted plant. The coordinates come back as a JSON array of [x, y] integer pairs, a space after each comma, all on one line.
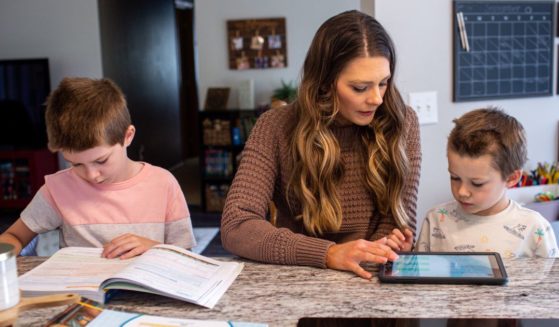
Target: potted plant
[[287, 92]]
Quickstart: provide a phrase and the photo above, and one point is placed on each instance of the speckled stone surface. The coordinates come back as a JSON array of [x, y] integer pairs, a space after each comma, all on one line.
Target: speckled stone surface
[[280, 295]]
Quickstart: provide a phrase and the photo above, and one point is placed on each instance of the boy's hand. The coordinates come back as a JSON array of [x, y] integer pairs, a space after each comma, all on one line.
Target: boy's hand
[[127, 246], [348, 256], [399, 241]]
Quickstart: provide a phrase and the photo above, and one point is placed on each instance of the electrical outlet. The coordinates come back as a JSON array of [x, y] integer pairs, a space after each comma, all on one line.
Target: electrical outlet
[[425, 105]]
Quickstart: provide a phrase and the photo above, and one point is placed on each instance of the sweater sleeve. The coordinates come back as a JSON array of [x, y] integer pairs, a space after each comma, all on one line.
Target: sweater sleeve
[[244, 228], [411, 182]]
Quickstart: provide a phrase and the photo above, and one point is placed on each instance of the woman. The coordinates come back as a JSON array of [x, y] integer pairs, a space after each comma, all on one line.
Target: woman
[[341, 163]]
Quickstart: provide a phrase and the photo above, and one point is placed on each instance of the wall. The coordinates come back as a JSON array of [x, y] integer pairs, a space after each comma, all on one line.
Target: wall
[[302, 20], [422, 33], [65, 31]]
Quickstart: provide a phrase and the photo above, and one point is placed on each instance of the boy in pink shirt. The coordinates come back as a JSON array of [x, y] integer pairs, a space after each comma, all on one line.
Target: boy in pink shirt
[[104, 199]]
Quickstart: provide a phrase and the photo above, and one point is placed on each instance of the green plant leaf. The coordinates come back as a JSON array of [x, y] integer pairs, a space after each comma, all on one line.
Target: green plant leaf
[[287, 92]]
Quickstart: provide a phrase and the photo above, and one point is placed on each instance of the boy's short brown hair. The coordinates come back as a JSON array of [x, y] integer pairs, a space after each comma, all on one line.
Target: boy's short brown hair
[[83, 113], [493, 132]]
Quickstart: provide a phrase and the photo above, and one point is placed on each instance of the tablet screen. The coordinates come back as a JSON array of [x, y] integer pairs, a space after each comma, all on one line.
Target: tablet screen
[[447, 265]]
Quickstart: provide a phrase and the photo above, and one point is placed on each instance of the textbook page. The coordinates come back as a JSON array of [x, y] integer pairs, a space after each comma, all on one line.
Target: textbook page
[[127, 319], [177, 273], [71, 270], [164, 269]]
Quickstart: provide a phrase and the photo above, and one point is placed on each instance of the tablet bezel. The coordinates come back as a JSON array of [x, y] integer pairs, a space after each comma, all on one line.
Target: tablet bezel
[[494, 257]]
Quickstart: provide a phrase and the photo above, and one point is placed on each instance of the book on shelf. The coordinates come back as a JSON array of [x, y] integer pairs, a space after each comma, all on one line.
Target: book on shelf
[[93, 314], [15, 180], [218, 163], [247, 123], [164, 269]]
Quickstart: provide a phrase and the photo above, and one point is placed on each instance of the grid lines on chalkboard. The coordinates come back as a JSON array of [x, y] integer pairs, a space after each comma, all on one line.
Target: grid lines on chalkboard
[[510, 50]]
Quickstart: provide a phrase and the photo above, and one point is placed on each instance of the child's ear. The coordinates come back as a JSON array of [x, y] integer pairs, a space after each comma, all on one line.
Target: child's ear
[[514, 178], [129, 135]]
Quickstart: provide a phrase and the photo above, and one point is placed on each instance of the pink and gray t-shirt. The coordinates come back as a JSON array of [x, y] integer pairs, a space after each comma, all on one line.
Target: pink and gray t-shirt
[[150, 204]]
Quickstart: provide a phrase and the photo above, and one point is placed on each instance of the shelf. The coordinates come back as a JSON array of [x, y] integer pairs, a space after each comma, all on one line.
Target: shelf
[[233, 148], [223, 133], [217, 179], [22, 173], [14, 204]]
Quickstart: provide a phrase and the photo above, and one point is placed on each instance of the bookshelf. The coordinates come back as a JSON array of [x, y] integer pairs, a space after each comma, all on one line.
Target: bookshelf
[[223, 135], [22, 173]]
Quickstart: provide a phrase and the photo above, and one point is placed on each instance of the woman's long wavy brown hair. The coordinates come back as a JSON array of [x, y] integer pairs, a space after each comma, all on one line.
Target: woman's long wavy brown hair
[[316, 160]]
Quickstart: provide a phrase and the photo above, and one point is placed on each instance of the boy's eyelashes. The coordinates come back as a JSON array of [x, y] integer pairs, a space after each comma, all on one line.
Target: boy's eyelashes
[[454, 178], [100, 162]]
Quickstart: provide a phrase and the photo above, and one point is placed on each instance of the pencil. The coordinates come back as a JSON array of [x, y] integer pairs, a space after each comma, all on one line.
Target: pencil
[[465, 32], [460, 29]]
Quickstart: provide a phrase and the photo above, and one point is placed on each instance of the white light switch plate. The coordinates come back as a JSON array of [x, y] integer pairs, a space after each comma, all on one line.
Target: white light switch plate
[[425, 105]]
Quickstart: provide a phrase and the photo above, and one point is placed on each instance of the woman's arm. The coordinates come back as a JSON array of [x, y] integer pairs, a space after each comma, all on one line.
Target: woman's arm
[[244, 228]]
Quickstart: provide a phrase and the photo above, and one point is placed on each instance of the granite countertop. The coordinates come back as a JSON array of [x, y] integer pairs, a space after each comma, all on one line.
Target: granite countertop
[[280, 295]]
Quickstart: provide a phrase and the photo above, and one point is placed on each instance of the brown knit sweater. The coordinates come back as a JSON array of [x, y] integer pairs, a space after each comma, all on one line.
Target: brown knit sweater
[[263, 175]]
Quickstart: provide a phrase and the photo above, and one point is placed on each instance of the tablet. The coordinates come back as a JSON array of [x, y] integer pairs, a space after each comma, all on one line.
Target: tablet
[[445, 268], [426, 322]]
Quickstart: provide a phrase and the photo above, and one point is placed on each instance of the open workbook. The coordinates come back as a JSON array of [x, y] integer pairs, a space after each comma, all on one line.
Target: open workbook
[[164, 269]]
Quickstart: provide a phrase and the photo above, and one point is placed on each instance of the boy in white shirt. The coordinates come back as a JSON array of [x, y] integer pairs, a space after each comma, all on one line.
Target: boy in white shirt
[[486, 152]]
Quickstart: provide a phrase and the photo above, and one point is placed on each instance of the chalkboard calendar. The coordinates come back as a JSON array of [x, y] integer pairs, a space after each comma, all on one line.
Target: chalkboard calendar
[[502, 49]]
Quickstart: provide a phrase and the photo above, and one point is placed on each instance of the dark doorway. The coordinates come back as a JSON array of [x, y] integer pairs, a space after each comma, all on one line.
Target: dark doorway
[[141, 51], [189, 89]]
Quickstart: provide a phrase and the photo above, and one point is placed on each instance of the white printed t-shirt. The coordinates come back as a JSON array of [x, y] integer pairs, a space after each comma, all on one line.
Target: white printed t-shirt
[[514, 232], [150, 204]]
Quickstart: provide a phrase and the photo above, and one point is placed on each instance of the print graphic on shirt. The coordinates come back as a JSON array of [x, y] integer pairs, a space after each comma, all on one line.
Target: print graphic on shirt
[[516, 230], [484, 239], [458, 216], [465, 248], [539, 236], [443, 212], [438, 233], [425, 246]]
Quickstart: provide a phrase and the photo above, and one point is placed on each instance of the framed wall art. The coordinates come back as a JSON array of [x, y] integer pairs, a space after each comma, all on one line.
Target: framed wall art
[[257, 43], [216, 98]]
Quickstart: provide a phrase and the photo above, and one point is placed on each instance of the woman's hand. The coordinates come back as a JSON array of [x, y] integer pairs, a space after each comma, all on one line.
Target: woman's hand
[[127, 246], [399, 241], [348, 256]]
